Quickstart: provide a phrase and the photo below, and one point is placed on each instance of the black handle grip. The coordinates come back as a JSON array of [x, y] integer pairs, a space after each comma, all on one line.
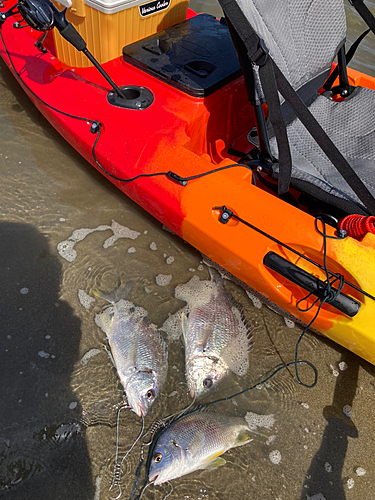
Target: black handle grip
[[72, 36], [310, 283]]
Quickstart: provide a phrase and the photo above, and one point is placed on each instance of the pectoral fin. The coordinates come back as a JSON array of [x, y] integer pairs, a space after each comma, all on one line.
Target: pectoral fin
[[242, 438], [214, 463]]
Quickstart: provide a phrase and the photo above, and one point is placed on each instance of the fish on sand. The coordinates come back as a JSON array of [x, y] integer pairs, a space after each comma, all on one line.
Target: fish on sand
[[195, 441], [216, 336], [138, 350]]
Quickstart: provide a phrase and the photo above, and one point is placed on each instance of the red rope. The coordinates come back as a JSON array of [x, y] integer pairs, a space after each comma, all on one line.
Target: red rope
[[357, 226]]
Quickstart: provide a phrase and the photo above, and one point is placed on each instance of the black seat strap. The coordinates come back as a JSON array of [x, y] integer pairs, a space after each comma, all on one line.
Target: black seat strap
[[349, 55], [365, 13], [257, 54]]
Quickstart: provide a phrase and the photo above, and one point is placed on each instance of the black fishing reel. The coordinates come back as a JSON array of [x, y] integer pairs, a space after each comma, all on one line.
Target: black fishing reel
[[37, 13]]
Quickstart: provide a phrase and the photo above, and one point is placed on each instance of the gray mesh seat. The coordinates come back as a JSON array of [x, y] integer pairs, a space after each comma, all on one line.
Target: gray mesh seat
[[351, 126], [303, 37]]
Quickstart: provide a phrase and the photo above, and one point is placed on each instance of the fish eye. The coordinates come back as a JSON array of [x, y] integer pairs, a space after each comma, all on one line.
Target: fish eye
[[158, 457], [150, 394], [207, 383]]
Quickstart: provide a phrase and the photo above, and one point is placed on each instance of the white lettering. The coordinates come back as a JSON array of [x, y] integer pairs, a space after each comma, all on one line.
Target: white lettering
[[147, 10]]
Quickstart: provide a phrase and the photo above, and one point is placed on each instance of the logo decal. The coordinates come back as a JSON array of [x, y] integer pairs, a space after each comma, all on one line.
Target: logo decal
[[152, 7]]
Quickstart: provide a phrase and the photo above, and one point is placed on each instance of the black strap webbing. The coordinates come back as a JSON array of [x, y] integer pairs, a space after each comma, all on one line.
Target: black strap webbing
[[349, 55], [365, 13], [269, 86]]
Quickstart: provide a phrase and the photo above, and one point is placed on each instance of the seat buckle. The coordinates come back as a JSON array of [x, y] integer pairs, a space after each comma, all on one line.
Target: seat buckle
[[261, 55]]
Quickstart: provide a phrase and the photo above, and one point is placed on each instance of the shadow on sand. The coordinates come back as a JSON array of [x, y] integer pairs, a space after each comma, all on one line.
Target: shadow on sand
[[43, 452], [325, 472]]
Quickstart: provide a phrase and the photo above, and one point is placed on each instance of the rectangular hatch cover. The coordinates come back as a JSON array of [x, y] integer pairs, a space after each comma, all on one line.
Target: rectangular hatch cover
[[195, 56]]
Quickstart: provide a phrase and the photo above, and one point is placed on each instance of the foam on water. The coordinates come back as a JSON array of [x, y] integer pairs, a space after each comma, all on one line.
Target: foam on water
[[43, 354], [328, 467], [85, 299], [254, 420], [289, 323], [270, 440], [66, 248], [360, 471], [256, 302], [172, 326], [350, 483], [163, 279], [275, 457], [88, 355], [348, 411], [98, 481], [196, 291]]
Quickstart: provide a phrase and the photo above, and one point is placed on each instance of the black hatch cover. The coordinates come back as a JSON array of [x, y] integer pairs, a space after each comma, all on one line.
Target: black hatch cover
[[196, 56]]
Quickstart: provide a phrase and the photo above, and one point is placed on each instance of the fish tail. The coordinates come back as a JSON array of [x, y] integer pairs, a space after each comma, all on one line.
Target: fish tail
[[215, 275], [116, 294]]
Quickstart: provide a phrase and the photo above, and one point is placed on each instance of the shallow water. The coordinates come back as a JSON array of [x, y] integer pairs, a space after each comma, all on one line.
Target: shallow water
[[318, 442]]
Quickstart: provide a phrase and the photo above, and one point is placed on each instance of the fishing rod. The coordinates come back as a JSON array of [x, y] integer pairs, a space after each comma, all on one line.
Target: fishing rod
[[42, 15]]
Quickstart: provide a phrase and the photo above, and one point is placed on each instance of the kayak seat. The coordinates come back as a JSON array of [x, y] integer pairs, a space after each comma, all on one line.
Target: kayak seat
[[293, 44], [351, 126]]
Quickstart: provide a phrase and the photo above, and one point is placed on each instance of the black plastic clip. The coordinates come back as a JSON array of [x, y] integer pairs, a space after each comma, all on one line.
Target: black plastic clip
[[226, 215], [176, 178], [95, 127], [261, 55]]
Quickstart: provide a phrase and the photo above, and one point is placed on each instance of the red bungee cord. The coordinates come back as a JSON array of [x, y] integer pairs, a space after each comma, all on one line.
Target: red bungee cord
[[357, 226]]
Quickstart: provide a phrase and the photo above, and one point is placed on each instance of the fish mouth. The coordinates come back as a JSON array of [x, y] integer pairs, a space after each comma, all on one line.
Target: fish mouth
[[193, 393], [141, 410], [154, 477]]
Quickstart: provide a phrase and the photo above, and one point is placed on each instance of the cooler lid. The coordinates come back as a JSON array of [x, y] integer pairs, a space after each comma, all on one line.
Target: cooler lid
[[113, 6], [196, 56]]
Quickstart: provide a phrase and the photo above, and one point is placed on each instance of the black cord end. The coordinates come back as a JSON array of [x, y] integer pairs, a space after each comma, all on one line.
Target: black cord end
[[95, 127], [226, 215], [341, 233], [176, 178]]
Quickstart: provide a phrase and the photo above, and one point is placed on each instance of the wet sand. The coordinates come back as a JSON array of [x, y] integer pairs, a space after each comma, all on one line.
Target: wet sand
[[312, 444]]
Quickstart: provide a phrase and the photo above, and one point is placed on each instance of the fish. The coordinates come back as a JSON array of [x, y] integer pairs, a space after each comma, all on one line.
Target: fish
[[195, 441], [137, 348], [216, 335]]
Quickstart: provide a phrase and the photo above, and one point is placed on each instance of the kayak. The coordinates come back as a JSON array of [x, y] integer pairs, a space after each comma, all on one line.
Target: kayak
[[174, 148]]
